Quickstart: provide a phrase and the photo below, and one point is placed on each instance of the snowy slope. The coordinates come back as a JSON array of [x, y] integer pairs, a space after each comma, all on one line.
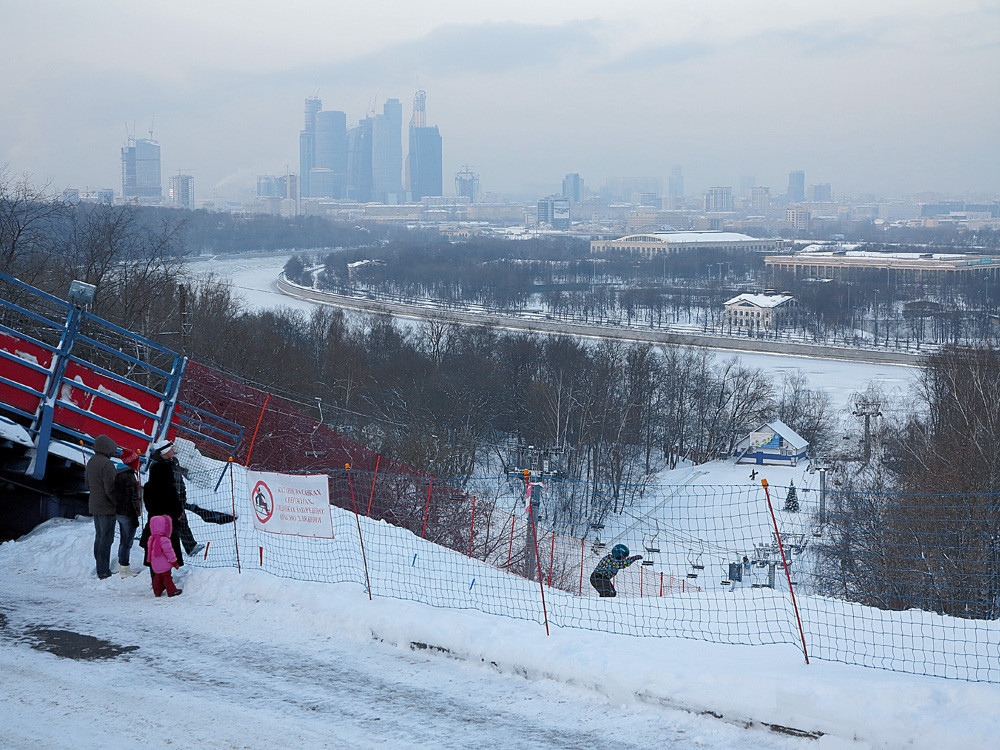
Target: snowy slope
[[254, 660]]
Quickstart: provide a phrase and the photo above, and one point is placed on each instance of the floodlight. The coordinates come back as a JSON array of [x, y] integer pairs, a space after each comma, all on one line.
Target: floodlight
[[81, 292]]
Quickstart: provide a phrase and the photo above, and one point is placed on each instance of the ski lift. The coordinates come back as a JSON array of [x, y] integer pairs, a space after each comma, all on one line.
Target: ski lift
[[727, 575], [651, 549], [695, 561], [598, 545]]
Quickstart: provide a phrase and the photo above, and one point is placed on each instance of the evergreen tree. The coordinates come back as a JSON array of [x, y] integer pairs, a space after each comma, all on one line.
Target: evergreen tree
[[791, 499]]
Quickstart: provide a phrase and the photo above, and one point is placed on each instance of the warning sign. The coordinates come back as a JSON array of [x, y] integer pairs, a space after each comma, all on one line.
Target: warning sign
[[291, 503]]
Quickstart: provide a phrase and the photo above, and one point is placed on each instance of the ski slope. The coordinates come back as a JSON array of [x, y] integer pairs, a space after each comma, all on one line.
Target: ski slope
[[251, 659]]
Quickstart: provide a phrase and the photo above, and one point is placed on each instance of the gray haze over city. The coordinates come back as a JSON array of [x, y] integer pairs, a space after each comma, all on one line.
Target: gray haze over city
[[887, 99]]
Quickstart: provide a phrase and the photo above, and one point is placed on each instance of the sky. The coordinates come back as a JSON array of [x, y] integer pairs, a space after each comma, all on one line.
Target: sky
[[244, 658], [889, 98]]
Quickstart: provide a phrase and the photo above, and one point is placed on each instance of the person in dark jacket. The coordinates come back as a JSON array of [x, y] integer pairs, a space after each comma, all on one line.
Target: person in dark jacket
[[603, 575], [163, 453], [160, 498], [101, 482], [128, 506]]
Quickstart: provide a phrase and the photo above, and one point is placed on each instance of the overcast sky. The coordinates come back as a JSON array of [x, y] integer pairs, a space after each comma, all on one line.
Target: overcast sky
[[888, 97]]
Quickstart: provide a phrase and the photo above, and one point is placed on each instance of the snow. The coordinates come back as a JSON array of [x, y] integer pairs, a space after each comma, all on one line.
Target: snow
[[245, 658], [761, 300], [254, 277]]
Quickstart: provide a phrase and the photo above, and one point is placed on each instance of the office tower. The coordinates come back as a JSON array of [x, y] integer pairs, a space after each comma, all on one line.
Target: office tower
[[307, 142], [822, 192], [796, 186], [719, 199], [675, 187], [746, 184], [182, 191], [360, 185], [467, 184], [141, 171], [328, 176], [270, 186], [572, 187], [387, 153], [760, 199], [423, 160], [554, 211]]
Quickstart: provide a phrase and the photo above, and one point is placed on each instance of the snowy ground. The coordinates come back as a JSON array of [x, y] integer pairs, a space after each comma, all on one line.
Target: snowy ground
[[248, 659], [253, 278]]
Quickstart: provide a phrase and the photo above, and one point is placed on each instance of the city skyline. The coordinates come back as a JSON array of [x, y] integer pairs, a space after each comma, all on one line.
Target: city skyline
[[891, 100]]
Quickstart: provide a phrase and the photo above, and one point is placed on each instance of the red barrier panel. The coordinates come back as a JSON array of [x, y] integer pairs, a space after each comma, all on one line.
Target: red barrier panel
[[106, 406], [23, 374]]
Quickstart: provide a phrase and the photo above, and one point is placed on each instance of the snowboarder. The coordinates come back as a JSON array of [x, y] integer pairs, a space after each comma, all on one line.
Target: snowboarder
[[601, 578]]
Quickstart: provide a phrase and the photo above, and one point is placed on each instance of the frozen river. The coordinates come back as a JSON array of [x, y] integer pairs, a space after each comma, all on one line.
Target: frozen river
[[253, 279]]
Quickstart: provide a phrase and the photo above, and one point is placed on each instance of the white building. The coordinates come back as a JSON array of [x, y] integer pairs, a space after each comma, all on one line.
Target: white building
[[759, 312], [773, 443], [659, 243]]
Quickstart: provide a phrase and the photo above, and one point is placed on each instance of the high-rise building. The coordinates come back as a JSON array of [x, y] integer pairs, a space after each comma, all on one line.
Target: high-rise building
[[719, 199], [822, 192], [555, 212], [141, 171], [796, 186], [360, 185], [572, 187], [307, 143], [675, 187], [423, 161], [467, 184], [329, 172], [182, 191], [387, 153], [760, 199]]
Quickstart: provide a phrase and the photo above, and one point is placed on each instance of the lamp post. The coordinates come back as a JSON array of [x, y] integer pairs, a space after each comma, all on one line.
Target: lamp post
[[875, 310]]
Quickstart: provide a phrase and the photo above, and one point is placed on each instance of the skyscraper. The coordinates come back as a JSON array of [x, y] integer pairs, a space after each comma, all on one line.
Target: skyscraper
[[719, 199], [554, 211], [423, 161], [675, 187], [796, 186], [360, 185], [572, 187], [141, 171], [387, 153], [307, 143], [182, 191], [328, 177], [467, 184], [760, 199]]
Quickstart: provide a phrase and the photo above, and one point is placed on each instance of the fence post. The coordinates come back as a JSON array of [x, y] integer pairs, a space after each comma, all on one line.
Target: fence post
[[357, 518], [427, 507], [374, 477], [541, 583], [236, 537], [788, 575], [267, 397], [472, 525]]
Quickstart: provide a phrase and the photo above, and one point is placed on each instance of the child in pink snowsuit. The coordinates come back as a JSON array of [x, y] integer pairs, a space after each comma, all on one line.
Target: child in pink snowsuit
[[160, 555]]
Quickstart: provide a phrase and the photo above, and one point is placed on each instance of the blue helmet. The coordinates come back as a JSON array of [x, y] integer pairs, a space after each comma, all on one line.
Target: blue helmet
[[619, 552]]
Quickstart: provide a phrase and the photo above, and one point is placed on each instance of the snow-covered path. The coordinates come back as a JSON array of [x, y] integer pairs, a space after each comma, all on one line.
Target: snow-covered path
[[248, 660]]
